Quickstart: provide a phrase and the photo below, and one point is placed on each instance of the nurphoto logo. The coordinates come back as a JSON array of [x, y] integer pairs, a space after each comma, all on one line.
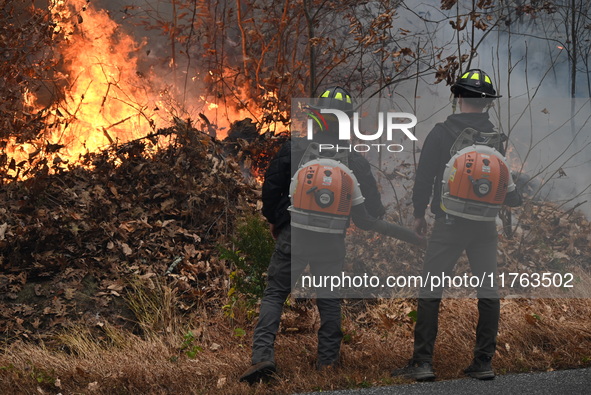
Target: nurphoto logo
[[388, 122]]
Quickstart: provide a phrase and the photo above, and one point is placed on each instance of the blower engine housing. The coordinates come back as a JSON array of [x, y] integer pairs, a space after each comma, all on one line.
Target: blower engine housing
[[475, 183], [322, 192]]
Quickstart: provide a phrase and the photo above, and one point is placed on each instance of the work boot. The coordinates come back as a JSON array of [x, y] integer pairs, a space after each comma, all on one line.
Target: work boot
[[481, 369], [262, 371], [419, 371]]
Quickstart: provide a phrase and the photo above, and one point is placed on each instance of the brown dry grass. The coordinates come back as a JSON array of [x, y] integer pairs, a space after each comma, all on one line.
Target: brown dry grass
[[534, 335]]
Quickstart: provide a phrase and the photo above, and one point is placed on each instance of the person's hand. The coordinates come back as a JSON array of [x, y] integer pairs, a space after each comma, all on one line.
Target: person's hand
[[420, 226], [274, 231], [422, 240]]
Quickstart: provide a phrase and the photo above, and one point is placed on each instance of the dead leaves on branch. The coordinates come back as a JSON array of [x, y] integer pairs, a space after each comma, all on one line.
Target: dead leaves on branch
[[447, 71], [448, 4]]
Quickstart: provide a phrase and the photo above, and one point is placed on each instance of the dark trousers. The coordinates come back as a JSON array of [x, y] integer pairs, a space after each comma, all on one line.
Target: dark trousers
[[284, 270], [446, 244]]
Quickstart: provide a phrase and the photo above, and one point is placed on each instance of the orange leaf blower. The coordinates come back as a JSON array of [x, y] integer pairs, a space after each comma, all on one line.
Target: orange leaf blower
[[322, 196], [475, 183]]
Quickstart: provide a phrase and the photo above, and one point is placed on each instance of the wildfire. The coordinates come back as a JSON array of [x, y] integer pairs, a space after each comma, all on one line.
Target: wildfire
[[98, 98], [101, 97], [237, 104]]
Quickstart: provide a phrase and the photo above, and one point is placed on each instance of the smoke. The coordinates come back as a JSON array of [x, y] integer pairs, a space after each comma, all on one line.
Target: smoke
[[172, 57], [527, 56]]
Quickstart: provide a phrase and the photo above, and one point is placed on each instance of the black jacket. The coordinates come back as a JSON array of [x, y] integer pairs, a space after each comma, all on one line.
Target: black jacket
[[285, 164], [436, 153]]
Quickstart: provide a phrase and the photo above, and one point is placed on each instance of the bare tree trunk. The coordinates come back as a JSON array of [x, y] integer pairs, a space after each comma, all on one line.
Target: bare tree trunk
[[243, 38], [312, 49], [173, 42], [574, 56], [574, 46]]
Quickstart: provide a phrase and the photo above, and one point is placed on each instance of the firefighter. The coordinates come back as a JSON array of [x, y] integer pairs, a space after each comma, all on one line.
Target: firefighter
[[453, 234], [297, 248]]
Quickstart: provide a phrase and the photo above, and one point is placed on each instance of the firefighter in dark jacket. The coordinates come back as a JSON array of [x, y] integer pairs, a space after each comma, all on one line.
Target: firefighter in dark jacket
[[451, 235], [324, 253]]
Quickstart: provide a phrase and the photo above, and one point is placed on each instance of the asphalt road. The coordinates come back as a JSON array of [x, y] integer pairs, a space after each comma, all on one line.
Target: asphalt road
[[576, 381]]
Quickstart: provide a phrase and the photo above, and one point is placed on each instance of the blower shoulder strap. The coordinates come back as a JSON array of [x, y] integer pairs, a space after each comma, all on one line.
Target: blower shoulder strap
[[313, 152], [470, 136]]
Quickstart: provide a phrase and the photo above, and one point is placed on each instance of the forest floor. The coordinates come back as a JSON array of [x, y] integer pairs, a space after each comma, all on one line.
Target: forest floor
[[112, 282]]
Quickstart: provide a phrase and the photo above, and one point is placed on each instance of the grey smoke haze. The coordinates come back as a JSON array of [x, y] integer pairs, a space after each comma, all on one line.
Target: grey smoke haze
[[530, 68], [524, 57]]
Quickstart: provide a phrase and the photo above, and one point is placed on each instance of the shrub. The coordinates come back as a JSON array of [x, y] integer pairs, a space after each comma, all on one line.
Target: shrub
[[253, 246]]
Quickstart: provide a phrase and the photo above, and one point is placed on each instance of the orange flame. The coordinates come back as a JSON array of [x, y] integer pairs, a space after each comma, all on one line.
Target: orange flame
[[101, 98], [106, 100]]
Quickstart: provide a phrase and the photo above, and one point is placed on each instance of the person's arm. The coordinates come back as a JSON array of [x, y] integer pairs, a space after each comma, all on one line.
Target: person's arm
[[425, 175], [420, 226], [276, 185], [363, 220], [513, 197]]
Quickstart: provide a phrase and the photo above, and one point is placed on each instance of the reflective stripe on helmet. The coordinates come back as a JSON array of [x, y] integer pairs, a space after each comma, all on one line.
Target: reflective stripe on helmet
[[476, 76], [337, 95]]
